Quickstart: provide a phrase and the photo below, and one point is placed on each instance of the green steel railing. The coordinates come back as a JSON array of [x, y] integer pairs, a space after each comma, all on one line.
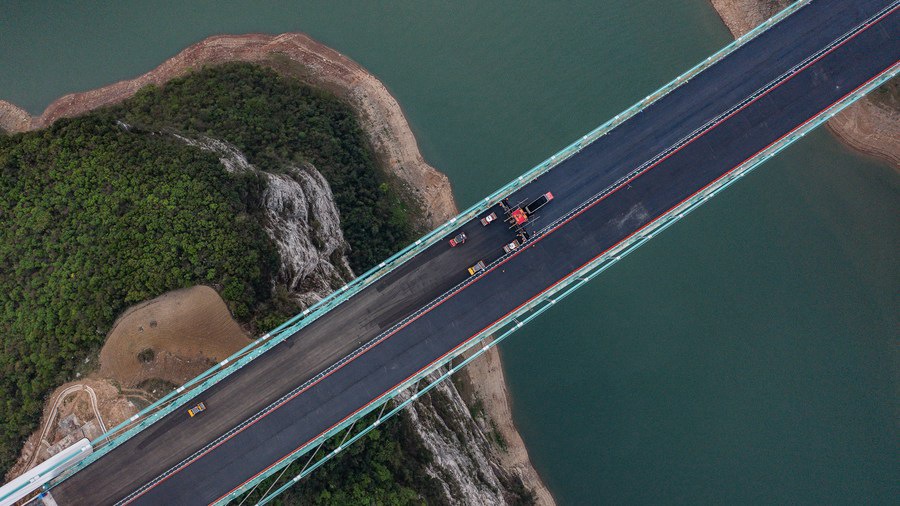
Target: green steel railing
[[509, 325], [176, 399]]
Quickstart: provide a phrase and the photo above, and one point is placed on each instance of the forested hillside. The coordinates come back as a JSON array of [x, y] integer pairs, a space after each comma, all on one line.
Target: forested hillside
[[102, 211], [277, 121], [95, 219]]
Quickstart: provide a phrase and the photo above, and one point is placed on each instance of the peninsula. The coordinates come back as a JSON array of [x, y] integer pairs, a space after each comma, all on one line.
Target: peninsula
[[485, 418]]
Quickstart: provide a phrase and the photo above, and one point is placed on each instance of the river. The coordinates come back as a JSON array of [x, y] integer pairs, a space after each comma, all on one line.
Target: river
[[748, 355]]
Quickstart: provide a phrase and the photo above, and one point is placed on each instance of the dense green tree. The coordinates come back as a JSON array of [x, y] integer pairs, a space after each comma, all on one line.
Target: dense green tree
[[277, 121], [385, 467], [95, 216]]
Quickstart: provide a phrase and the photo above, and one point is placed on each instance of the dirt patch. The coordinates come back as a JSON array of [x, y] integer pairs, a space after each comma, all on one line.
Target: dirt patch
[[741, 16], [71, 413], [869, 125], [173, 337], [14, 119], [153, 347]]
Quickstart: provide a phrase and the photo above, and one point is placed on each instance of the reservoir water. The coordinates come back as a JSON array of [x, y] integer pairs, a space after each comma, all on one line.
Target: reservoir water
[[748, 355]]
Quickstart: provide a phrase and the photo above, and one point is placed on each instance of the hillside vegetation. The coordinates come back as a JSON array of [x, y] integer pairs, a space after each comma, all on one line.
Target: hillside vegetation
[[278, 121], [95, 219], [96, 215]]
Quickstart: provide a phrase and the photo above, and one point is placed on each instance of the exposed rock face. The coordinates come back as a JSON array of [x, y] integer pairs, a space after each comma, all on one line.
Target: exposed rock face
[[301, 218], [229, 156], [304, 222], [300, 56], [308, 270], [464, 462]]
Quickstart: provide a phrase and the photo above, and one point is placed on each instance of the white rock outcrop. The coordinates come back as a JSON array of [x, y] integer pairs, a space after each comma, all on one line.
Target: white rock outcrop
[[301, 218], [462, 451]]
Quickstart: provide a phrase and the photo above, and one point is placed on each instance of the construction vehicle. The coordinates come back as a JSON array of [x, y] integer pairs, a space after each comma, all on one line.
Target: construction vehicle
[[197, 409], [519, 215], [538, 203], [459, 239], [475, 269], [509, 248]]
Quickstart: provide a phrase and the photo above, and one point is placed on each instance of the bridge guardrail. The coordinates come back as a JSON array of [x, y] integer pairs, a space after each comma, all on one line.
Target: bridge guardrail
[[176, 399], [509, 325]]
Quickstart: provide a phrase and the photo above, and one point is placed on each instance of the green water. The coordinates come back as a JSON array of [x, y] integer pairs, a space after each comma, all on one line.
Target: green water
[[747, 355]]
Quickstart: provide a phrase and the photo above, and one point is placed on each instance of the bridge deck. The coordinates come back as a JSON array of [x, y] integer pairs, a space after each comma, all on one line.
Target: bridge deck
[[618, 184]]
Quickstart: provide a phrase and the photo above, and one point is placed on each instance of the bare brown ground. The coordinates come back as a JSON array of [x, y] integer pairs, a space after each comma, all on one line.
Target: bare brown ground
[[13, 119], [395, 145], [187, 330], [871, 128], [113, 408], [193, 328], [867, 126]]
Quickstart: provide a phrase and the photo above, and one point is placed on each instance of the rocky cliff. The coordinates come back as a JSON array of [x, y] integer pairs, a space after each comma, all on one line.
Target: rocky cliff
[[302, 219]]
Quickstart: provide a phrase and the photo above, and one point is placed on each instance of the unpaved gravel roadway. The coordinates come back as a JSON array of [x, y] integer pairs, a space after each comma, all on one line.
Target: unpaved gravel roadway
[[53, 411], [107, 407]]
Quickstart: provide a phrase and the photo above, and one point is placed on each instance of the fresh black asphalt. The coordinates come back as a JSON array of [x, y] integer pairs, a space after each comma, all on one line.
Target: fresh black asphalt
[[640, 143]]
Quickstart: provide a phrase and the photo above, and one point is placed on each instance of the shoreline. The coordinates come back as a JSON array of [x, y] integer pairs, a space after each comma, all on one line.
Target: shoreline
[[296, 55], [865, 126], [390, 135], [484, 379]]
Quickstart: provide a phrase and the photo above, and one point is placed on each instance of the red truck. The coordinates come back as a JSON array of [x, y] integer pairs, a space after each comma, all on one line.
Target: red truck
[[521, 214]]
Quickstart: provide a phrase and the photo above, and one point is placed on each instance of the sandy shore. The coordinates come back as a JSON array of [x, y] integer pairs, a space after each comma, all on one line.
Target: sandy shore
[[484, 380], [299, 56], [868, 126], [392, 139]]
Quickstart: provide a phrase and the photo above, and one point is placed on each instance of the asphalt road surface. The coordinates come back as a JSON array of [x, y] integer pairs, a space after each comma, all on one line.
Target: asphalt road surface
[[430, 306]]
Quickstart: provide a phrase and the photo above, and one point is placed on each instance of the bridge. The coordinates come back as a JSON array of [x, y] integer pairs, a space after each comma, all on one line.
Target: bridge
[[398, 327]]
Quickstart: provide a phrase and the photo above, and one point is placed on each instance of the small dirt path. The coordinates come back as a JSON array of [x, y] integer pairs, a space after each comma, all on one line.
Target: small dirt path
[[73, 389]]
